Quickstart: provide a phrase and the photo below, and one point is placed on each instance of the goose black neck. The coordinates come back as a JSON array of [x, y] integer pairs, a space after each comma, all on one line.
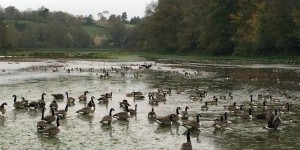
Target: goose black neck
[[288, 107], [222, 118], [225, 116], [43, 111], [177, 110], [251, 99], [57, 121], [135, 107], [186, 108], [110, 111], [52, 111], [198, 118], [276, 111], [250, 111], [127, 108], [15, 98], [67, 94], [152, 110], [66, 108], [188, 139], [43, 96]]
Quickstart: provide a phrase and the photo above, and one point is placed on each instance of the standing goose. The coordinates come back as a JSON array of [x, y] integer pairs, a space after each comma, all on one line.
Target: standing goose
[[188, 144], [165, 121], [108, 118], [53, 105], [50, 118], [58, 96], [52, 131], [122, 115], [87, 110], [63, 113], [185, 114], [273, 121], [42, 103], [41, 125], [124, 103], [152, 114], [17, 104], [176, 116], [83, 97], [70, 99], [3, 109], [193, 124]]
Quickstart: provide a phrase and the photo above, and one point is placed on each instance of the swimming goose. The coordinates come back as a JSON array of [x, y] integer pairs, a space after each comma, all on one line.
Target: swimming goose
[[132, 111], [83, 97], [122, 115], [152, 114], [188, 144], [3, 109], [63, 113], [204, 107], [165, 121], [246, 116], [285, 110], [214, 102], [52, 131], [124, 103], [107, 95], [41, 125], [17, 104], [33, 105], [184, 114], [88, 109], [108, 118], [239, 111], [53, 105], [226, 118], [70, 99], [176, 116], [273, 121], [50, 118], [153, 101], [138, 97], [193, 124], [42, 103], [219, 124], [275, 100], [231, 108], [58, 96]]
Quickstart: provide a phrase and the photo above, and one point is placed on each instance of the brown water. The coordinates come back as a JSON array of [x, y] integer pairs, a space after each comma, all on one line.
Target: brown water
[[30, 80]]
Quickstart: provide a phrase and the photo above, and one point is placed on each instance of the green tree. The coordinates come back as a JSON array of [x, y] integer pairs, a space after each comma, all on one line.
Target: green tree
[[11, 13], [90, 20]]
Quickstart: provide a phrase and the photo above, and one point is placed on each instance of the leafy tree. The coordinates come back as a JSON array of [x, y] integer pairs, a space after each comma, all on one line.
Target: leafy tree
[[135, 20], [124, 17], [11, 13], [90, 20]]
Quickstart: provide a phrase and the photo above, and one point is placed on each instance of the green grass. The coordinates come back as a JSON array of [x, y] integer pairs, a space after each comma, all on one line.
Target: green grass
[[122, 55], [96, 30]]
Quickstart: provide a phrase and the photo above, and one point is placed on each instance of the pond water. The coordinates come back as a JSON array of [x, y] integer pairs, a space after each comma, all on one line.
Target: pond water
[[31, 79]]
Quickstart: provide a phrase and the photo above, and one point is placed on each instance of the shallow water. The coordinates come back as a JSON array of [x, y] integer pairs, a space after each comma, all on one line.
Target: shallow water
[[31, 79]]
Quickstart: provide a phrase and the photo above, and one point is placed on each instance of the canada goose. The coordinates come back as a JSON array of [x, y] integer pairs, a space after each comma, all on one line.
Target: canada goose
[[54, 130], [152, 114], [204, 107], [41, 125], [108, 118], [176, 116], [153, 101], [219, 124], [42, 103], [232, 108], [104, 98], [107, 95], [185, 114], [83, 97], [24, 102], [273, 121], [58, 96], [246, 116], [239, 111], [88, 109], [122, 115], [63, 113], [132, 111], [275, 100], [53, 105], [214, 102], [3, 109], [285, 110], [70, 99], [166, 120], [124, 103], [33, 105], [138, 97], [188, 144], [193, 124], [226, 118], [50, 118], [17, 104]]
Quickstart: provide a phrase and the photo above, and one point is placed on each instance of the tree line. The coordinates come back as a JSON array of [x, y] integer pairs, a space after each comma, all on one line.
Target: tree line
[[220, 27]]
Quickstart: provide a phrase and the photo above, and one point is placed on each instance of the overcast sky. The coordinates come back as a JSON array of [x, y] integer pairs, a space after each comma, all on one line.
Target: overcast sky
[[83, 7]]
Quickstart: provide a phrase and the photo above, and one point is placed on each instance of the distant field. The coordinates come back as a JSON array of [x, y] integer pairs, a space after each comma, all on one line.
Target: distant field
[[96, 30]]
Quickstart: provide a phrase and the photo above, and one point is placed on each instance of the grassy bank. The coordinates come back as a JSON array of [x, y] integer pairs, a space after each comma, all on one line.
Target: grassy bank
[[121, 55]]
